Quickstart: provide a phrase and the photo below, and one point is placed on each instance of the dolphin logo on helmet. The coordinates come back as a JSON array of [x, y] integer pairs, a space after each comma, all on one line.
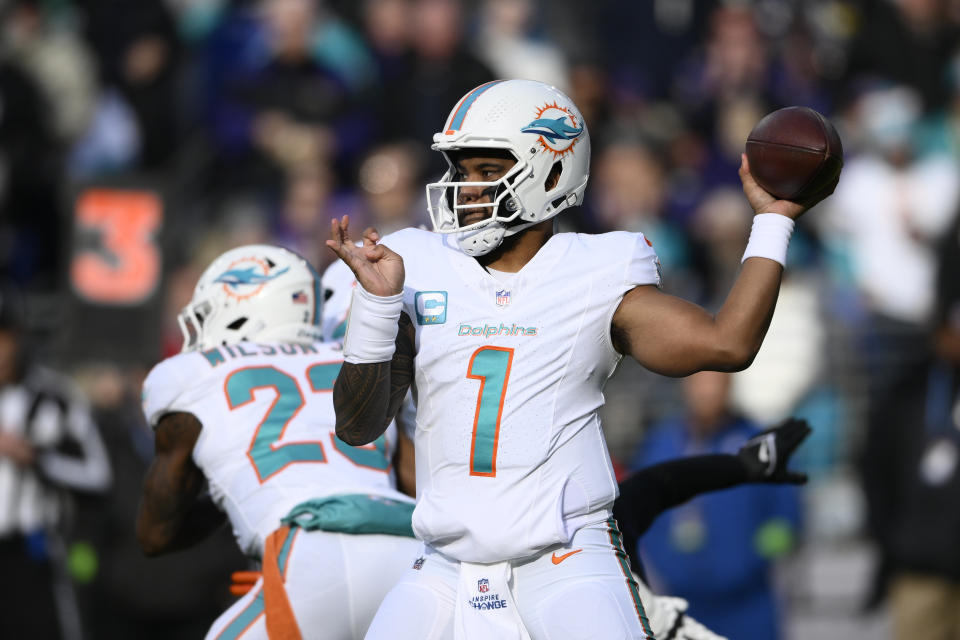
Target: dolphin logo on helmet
[[553, 129], [236, 277], [241, 296]]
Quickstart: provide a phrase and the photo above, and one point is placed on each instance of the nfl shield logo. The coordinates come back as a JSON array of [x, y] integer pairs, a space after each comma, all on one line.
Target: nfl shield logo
[[483, 585], [418, 563], [503, 298]]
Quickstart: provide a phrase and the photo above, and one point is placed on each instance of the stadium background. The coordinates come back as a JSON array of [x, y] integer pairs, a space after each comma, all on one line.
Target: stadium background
[[140, 139]]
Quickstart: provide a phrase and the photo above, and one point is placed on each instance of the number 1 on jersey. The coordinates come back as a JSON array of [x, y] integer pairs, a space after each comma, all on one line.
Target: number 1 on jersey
[[491, 366]]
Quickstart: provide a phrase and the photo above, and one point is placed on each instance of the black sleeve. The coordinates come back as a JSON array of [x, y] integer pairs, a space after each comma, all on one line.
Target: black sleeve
[[651, 491]]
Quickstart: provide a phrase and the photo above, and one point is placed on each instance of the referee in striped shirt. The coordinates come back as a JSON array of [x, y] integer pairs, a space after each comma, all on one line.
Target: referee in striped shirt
[[49, 447]]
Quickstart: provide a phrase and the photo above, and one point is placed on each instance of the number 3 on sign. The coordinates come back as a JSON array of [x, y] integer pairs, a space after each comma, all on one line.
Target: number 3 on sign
[[491, 366], [124, 266]]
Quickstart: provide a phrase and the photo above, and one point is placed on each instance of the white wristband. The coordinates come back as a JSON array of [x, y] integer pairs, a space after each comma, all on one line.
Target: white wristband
[[769, 237], [372, 326]]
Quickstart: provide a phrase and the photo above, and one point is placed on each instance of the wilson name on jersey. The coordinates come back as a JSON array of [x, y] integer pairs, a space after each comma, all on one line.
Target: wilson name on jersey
[[509, 450], [268, 441]]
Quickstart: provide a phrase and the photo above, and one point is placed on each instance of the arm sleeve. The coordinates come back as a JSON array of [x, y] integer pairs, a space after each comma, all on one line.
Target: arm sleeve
[[651, 491], [643, 268], [166, 383]]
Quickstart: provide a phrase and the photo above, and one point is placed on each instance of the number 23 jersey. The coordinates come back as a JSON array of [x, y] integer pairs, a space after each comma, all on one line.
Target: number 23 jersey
[[510, 455], [268, 440]]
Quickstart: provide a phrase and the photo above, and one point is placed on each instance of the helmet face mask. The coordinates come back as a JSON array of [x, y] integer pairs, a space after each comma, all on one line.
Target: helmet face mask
[[254, 292], [443, 199], [538, 126]]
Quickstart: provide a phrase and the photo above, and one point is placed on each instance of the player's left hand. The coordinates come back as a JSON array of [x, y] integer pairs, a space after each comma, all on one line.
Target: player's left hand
[[763, 202], [378, 269], [767, 454]]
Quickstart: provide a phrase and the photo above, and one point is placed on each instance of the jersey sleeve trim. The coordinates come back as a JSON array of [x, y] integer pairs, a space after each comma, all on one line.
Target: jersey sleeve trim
[[642, 268]]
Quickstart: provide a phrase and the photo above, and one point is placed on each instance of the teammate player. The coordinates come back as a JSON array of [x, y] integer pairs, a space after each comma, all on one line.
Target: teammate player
[[247, 408], [507, 332]]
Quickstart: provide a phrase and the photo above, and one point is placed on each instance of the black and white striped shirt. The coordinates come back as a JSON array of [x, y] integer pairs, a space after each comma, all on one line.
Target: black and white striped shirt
[[49, 412]]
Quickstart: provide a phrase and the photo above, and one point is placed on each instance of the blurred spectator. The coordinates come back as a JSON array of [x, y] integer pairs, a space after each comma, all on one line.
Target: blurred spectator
[[911, 478], [391, 187], [715, 550], [629, 195], [439, 72], [309, 202], [57, 60], [888, 213], [137, 50], [641, 41], [49, 447], [387, 27], [505, 44], [940, 131], [272, 107], [733, 65], [30, 174], [723, 89], [907, 42]]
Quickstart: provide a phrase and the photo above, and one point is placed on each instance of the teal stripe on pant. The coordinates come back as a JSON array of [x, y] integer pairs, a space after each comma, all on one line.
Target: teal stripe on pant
[[285, 550], [244, 619], [616, 539]]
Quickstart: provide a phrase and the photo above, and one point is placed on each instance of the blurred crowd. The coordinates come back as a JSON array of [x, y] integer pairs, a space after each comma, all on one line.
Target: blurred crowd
[[140, 139]]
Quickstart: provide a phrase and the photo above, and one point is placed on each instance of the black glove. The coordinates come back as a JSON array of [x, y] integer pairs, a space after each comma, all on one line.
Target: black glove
[[766, 455]]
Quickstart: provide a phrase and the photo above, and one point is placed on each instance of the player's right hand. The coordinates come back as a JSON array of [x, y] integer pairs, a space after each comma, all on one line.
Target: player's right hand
[[763, 202], [767, 454], [378, 269]]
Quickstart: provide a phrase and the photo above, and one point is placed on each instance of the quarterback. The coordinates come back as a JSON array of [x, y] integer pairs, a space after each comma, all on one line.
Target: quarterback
[[246, 411], [507, 331]]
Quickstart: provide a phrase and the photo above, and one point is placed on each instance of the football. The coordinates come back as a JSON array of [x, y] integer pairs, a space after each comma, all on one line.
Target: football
[[794, 153]]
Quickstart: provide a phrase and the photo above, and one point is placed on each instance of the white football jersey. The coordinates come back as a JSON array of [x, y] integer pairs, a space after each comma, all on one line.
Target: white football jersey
[[510, 455], [268, 441]]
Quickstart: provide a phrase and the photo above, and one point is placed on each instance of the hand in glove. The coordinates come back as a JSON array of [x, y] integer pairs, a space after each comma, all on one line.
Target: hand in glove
[[765, 456]]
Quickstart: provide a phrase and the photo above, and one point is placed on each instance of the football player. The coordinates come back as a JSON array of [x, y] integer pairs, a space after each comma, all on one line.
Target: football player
[[507, 332], [246, 411], [645, 494]]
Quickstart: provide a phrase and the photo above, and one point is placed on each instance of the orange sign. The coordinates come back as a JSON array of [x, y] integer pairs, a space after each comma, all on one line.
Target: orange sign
[[123, 266]]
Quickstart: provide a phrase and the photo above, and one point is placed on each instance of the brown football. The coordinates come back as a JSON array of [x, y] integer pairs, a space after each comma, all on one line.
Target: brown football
[[794, 153]]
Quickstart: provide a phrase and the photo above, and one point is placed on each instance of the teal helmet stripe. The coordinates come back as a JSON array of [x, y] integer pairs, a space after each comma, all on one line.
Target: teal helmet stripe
[[461, 112]]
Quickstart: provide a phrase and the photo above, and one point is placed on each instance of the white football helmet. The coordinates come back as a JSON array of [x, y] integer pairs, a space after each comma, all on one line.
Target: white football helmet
[[541, 128], [254, 292]]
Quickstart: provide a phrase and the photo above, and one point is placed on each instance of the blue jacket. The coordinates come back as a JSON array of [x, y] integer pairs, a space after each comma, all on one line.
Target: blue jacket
[[714, 550]]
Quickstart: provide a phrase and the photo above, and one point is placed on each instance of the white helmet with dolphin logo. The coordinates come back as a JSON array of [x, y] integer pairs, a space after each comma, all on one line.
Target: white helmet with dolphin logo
[[540, 127], [254, 292]]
